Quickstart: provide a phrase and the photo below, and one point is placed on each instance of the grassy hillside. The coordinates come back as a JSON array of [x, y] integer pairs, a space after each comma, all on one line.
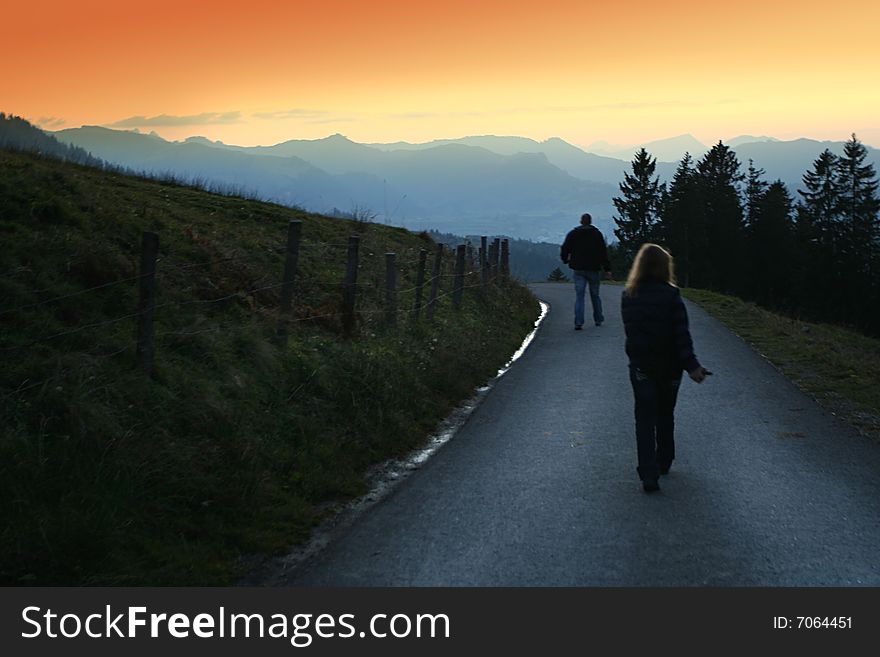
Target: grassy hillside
[[109, 477], [839, 367]]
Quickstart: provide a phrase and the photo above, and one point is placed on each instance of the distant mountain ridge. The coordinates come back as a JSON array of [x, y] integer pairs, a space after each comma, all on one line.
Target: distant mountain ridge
[[453, 186], [495, 184], [671, 149], [789, 160]]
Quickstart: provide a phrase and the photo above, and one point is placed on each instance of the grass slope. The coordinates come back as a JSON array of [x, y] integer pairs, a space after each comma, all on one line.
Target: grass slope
[[839, 367], [107, 477]]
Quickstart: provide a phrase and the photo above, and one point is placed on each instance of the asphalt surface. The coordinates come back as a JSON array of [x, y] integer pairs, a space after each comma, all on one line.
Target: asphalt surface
[[539, 487]]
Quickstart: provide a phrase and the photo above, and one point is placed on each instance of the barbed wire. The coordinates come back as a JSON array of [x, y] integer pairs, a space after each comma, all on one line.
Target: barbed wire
[[58, 375], [79, 329], [10, 273], [315, 245], [405, 265], [362, 312], [46, 338], [73, 254], [189, 333], [232, 295], [72, 294], [21, 389], [195, 265]]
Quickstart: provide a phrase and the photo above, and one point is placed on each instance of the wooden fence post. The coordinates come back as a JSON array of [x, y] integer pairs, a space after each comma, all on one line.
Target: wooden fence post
[[349, 289], [505, 260], [496, 256], [491, 263], [484, 262], [420, 283], [145, 349], [390, 289], [294, 230], [459, 276], [435, 282]]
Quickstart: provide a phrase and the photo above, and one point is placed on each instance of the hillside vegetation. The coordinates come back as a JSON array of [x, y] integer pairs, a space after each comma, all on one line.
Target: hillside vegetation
[[237, 443], [837, 366]]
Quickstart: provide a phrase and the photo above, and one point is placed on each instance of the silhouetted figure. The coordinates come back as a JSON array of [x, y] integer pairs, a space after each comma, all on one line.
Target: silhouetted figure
[[584, 251], [659, 346]]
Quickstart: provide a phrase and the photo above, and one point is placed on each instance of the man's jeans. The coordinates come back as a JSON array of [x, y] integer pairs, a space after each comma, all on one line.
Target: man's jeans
[[581, 279], [655, 424]]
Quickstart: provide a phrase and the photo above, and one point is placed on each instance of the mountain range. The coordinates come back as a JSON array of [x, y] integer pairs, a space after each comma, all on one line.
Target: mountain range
[[480, 184]]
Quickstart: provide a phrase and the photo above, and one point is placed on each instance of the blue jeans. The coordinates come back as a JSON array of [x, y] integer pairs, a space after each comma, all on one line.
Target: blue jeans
[[655, 397], [581, 278]]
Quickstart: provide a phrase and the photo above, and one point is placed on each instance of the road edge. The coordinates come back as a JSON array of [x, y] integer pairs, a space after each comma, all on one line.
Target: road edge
[[383, 480]]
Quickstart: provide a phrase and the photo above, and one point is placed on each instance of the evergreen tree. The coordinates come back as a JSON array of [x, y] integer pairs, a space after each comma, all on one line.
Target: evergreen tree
[[719, 175], [770, 246], [818, 238], [639, 207], [821, 198], [755, 190], [619, 260], [682, 225], [857, 201], [858, 206]]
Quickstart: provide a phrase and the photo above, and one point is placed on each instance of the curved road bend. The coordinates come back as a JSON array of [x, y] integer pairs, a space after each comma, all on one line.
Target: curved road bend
[[539, 487]]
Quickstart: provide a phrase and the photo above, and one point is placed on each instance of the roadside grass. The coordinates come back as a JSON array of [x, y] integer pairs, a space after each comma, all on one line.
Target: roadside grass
[[837, 366], [236, 446]]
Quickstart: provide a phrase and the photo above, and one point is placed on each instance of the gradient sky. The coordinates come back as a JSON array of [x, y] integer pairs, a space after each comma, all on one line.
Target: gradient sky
[[625, 72]]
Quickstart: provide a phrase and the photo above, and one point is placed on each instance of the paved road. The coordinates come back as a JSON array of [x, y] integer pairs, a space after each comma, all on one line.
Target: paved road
[[540, 488]]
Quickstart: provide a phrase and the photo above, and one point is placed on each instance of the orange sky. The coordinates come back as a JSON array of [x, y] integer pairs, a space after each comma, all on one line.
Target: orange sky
[[387, 70]]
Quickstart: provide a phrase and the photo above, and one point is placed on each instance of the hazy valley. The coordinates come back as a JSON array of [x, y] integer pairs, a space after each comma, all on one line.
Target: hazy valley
[[485, 184]]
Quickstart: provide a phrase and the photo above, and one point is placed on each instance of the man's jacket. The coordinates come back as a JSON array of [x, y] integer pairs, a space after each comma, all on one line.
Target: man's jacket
[[584, 250]]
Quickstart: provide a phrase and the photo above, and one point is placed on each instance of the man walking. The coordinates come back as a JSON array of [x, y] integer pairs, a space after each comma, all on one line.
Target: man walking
[[584, 251]]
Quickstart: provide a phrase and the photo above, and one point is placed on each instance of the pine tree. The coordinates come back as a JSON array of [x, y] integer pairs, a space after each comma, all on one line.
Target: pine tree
[[857, 209], [719, 175], [756, 187], [682, 225], [818, 238], [821, 199], [639, 207], [770, 246], [839, 237], [857, 201]]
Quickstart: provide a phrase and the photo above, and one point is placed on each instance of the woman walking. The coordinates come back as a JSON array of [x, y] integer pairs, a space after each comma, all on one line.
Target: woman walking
[[659, 347]]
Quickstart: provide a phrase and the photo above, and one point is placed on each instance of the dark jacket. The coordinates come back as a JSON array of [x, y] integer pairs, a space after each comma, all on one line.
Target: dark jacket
[[584, 250], [657, 336]]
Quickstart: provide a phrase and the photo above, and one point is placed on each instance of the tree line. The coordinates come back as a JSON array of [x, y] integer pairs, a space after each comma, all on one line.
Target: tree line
[[816, 254], [18, 134], [529, 261]]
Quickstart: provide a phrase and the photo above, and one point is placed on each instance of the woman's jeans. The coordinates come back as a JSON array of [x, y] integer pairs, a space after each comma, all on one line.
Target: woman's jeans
[[581, 279], [655, 397]]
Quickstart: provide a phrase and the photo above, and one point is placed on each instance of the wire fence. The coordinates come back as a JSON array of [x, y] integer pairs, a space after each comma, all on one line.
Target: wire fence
[[406, 290]]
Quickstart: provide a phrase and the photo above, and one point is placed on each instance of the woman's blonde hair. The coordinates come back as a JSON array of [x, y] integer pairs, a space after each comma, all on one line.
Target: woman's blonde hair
[[652, 263]]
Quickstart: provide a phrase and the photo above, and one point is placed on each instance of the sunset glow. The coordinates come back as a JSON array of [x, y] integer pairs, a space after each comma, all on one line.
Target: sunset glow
[[262, 72]]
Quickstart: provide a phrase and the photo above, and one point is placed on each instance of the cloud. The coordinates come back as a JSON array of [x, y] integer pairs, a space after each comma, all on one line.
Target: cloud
[[334, 119], [636, 106], [441, 115], [296, 113], [205, 118], [558, 109], [50, 122], [308, 116]]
